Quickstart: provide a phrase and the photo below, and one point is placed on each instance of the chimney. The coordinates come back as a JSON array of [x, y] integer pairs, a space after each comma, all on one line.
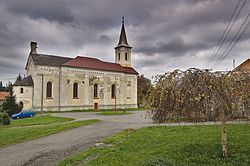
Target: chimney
[[33, 46]]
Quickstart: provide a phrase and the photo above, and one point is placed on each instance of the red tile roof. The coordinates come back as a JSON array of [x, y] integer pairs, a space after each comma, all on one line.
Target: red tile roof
[[3, 95], [245, 65], [93, 63]]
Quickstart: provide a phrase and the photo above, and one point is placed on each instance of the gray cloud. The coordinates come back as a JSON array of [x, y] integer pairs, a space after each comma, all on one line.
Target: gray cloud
[[175, 47], [56, 10], [164, 34]]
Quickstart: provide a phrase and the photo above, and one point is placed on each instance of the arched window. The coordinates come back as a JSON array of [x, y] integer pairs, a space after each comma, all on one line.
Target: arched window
[[119, 56], [113, 94], [126, 56], [21, 90], [49, 90], [95, 91], [75, 90]]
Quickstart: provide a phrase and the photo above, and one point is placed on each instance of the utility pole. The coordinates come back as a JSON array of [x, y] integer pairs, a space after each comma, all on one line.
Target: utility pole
[[115, 103], [59, 92], [41, 94]]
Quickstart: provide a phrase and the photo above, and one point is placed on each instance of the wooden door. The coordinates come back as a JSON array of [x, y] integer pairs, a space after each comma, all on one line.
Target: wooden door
[[96, 106]]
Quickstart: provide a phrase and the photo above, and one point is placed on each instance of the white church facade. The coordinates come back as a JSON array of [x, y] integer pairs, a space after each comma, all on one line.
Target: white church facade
[[56, 83]]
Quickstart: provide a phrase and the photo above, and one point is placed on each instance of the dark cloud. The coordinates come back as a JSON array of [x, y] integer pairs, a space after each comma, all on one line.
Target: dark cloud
[[164, 34], [175, 47], [53, 10]]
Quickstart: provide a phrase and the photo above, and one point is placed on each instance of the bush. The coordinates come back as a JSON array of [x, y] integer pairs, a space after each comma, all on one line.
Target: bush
[[10, 104], [4, 118]]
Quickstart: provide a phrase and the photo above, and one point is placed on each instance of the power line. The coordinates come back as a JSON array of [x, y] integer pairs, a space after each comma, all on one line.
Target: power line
[[236, 38], [226, 31], [231, 27]]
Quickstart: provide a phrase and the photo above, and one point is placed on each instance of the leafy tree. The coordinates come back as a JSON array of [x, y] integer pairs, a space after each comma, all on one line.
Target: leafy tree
[[19, 77], [143, 87], [1, 86], [196, 96], [9, 87], [10, 105]]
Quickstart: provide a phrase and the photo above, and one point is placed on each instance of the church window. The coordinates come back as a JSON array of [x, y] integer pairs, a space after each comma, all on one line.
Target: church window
[[119, 56], [126, 56], [113, 92], [95, 91], [21, 90], [49, 90], [75, 90]]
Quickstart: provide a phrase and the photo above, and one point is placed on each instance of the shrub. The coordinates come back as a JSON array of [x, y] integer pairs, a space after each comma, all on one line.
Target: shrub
[[4, 118], [10, 103]]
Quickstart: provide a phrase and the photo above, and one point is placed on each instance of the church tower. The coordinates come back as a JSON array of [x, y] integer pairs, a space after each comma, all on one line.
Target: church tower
[[123, 50]]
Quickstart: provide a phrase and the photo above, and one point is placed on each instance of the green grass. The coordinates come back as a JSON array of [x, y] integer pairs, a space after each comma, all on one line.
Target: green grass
[[39, 120], [182, 145], [13, 135], [109, 113]]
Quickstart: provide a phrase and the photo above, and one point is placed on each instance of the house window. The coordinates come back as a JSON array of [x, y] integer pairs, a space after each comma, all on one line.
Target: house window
[[126, 56], [119, 56], [95, 91], [75, 90], [113, 94], [21, 90], [49, 90]]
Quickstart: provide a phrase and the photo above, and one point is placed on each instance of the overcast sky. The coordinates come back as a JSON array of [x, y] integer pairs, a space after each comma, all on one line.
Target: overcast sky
[[165, 34]]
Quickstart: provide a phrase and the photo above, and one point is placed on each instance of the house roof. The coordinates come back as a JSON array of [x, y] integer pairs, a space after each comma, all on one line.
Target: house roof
[[93, 63], [49, 60], [26, 81], [3, 95], [244, 66]]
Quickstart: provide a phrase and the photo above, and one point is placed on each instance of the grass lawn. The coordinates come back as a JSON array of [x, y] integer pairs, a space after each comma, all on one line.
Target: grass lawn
[[39, 120], [13, 135], [181, 145], [118, 112]]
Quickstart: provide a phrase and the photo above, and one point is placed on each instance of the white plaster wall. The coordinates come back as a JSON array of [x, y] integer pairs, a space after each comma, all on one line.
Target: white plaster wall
[[86, 79], [25, 97], [123, 51]]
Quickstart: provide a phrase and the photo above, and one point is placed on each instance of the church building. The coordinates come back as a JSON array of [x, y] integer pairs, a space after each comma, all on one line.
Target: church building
[[56, 83]]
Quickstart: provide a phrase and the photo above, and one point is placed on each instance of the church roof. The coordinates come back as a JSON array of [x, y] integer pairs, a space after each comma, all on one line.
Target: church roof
[[96, 64], [26, 81], [49, 60], [123, 38]]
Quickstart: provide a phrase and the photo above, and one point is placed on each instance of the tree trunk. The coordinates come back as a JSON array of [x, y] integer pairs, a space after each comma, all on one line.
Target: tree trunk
[[224, 135], [224, 139]]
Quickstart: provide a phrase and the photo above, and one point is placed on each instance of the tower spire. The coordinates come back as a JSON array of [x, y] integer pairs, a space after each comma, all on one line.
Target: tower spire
[[123, 38], [123, 50]]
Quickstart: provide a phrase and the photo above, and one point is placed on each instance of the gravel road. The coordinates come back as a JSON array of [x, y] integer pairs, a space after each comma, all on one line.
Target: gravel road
[[47, 150]]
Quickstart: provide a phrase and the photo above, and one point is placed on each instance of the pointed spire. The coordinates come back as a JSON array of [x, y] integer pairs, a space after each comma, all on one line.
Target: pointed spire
[[123, 39]]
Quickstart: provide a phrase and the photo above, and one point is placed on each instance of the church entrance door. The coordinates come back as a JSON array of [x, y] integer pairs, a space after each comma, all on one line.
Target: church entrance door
[[96, 106]]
